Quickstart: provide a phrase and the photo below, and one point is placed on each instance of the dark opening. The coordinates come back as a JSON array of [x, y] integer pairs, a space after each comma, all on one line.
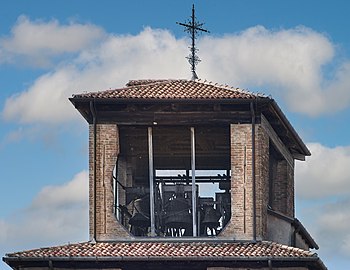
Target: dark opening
[[172, 181]]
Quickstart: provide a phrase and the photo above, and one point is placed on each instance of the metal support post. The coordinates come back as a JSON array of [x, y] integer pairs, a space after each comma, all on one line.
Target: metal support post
[[151, 180], [194, 190]]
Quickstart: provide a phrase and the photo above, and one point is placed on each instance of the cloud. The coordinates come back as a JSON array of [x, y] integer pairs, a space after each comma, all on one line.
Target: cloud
[[58, 214], [290, 63], [36, 42], [64, 195], [329, 223], [327, 169], [47, 135], [13, 136], [151, 54], [323, 190]]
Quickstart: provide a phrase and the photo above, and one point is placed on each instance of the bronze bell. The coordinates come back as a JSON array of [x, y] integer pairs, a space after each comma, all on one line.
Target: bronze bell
[[177, 213], [139, 220], [141, 213], [211, 217]]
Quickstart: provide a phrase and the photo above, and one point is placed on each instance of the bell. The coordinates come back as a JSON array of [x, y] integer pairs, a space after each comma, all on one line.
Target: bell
[[177, 214], [141, 213], [141, 205], [211, 217], [139, 220]]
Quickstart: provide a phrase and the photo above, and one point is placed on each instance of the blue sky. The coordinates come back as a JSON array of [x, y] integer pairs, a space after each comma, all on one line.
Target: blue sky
[[297, 51]]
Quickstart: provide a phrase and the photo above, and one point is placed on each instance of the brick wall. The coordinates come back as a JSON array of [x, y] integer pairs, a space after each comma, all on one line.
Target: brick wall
[[283, 189], [107, 149], [262, 180], [290, 211], [241, 223], [280, 187]]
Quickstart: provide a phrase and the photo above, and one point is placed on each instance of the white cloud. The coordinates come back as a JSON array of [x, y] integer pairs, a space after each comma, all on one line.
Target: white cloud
[[58, 214], [70, 193], [289, 63], [46, 100], [325, 174], [151, 54], [35, 42], [329, 223], [323, 190], [13, 136]]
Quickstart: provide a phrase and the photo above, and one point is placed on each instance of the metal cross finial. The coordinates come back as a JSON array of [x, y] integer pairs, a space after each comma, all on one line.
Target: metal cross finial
[[193, 27]]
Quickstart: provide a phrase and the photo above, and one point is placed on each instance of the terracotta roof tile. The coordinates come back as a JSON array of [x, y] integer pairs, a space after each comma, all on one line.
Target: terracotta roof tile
[[167, 249], [172, 89]]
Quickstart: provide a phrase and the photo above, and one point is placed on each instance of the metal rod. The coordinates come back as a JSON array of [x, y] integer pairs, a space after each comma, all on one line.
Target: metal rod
[[193, 49], [93, 112], [194, 193], [244, 189], [253, 170], [104, 190], [116, 190], [199, 179], [151, 180], [118, 182], [193, 27]]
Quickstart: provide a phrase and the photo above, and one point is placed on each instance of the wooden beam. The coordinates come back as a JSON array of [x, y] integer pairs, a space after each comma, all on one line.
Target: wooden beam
[[299, 156], [277, 141], [173, 118]]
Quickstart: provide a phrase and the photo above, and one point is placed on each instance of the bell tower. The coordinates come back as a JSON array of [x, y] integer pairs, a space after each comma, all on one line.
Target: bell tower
[[191, 159]]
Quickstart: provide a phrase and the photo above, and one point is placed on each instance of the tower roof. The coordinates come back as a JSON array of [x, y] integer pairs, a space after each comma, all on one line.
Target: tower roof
[[188, 92], [172, 90]]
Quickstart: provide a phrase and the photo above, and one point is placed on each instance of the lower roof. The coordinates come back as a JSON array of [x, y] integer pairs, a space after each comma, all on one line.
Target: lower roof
[[121, 252], [128, 249]]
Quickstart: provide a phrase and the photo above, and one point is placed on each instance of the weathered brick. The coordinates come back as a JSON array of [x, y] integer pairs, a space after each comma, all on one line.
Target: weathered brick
[[241, 223], [107, 149]]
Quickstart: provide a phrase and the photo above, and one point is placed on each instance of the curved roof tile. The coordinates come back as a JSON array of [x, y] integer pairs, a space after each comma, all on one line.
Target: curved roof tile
[[167, 249], [172, 89]]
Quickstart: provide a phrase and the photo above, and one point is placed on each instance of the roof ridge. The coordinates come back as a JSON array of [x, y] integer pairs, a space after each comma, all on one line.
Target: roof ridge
[[140, 82]]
